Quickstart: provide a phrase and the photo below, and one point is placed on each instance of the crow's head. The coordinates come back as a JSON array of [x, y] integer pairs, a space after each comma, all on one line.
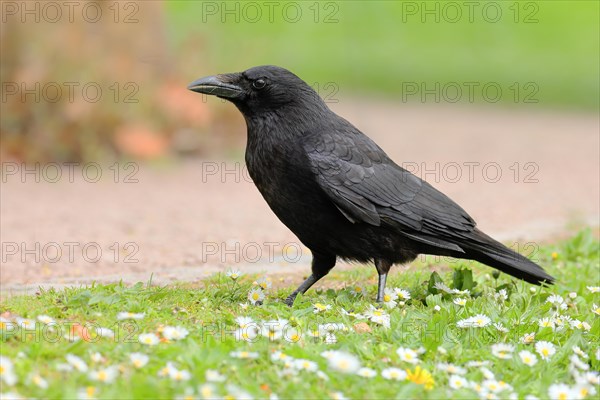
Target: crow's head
[[259, 90]]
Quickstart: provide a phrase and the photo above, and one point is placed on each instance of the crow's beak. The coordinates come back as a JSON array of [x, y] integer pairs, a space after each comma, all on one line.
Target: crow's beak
[[216, 86]]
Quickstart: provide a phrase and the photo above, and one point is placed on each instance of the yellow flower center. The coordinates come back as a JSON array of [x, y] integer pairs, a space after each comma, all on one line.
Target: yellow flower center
[[102, 375], [90, 391], [255, 296], [545, 352], [387, 298]]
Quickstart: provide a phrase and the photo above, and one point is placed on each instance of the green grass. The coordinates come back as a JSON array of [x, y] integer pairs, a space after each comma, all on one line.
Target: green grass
[[208, 312], [375, 48]]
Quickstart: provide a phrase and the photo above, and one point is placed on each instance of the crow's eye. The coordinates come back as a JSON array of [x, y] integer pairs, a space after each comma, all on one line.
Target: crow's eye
[[259, 83]]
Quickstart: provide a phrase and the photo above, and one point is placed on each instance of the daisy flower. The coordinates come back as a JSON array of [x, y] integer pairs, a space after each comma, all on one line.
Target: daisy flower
[[273, 330], [343, 362], [596, 309], [138, 359], [105, 332], [46, 320], [560, 391], [545, 349], [527, 338], [7, 373], [451, 369], [502, 350], [402, 294], [357, 290], [256, 296], [149, 339], [38, 381], [264, 283], [244, 354], [528, 358], [378, 316], [322, 375], [408, 355], [442, 287], [459, 301], [318, 308], [305, 365], [279, 356], [573, 295], [478, 321], [105, 375], [583, 391], [351, 314], [97, 357], [212, 375], [292, 335], [457, 382], [338, 396], [234, 274], [208, 391], [502, 295], [243, 322], [389, 298], [25, 323], [88, 392], [594, 289], [179, 375], [174, 332], [394, 374], [557, 301], [248, 334], [577, 363], [500, 327], [129, 315], [76, 363], [546, 323], [366, 372], [577, 350]]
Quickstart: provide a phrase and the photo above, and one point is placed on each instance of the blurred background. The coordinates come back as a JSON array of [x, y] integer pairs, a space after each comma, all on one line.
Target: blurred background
[[108, 79], [496, 103]]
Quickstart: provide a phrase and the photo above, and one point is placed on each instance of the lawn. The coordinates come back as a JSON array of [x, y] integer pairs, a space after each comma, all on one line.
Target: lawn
[[455, 334]]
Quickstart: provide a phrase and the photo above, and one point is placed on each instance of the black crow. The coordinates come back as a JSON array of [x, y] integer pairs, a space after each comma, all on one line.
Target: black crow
[[339, 192]]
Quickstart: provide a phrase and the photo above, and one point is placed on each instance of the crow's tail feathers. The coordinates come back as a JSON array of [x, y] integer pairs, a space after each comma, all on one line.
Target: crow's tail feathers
[[493, 253]]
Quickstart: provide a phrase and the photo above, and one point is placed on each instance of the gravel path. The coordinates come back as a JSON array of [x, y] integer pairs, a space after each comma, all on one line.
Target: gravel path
[[524, 176]]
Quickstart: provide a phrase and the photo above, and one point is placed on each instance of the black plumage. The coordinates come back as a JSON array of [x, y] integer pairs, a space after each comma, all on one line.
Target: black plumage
[[339, 192]]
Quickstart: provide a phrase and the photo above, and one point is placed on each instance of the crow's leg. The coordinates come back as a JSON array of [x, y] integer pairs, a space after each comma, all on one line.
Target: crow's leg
[[383, 268], [321, 265]]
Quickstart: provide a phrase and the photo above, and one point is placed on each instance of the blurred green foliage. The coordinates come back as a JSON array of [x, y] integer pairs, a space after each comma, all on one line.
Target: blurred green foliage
[[375, 46]]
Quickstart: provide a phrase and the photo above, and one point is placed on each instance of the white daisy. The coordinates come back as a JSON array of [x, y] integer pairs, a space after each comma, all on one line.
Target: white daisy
[[560, 391], [395, 374], [366, 372], [503, 350], [76, 363], [457, 382], [248, 334], [357, 290], [149, 339], [577, 350], [319, 308], [402, 294], [105, 375], [264, 283], [459, 301], [138, 360], [389, 298], [500, 327], [378, 316], [25, 323], [212, 375], [546, 323], [527, 338], [408, 355], [174, 332], [545, 349], [105, 332], [305, 365], [528, 358], [451, 368], [594, 289], [256, 296], [129, 315], [244, 321], [244, 354], [46, 320], [343, 362], [234, 274], [7, 372], [38, 381]]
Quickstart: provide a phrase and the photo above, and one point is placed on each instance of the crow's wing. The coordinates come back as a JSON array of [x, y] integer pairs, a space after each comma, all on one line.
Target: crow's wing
[[367, 186]]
